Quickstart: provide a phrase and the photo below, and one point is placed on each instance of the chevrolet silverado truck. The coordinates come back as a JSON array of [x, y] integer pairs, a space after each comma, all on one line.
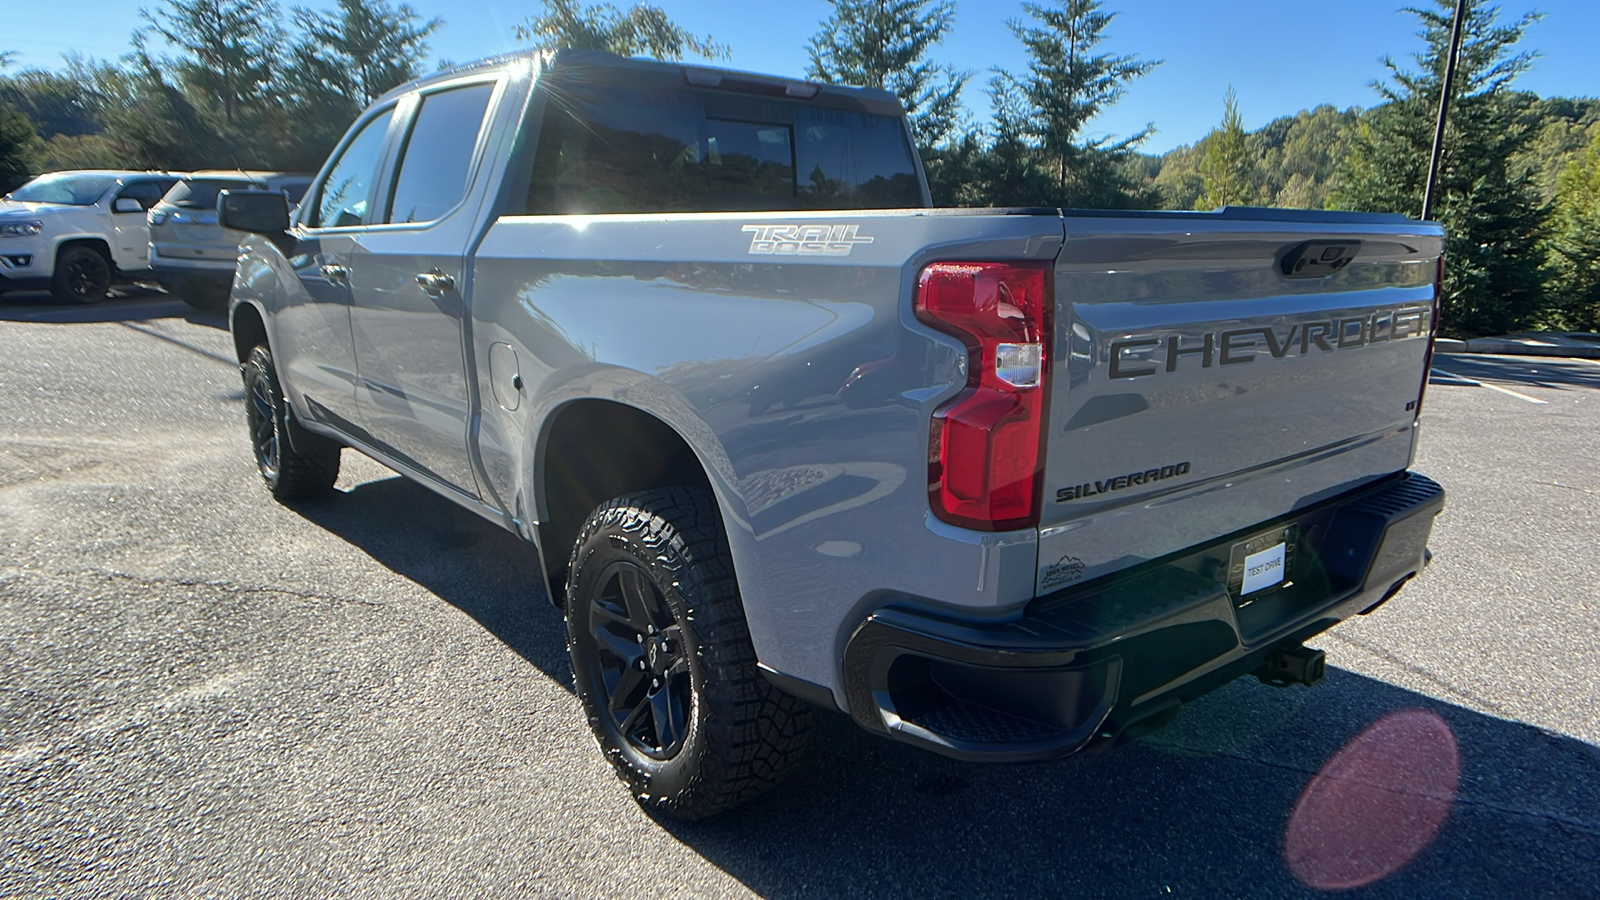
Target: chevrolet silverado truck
[[77, 233], [1005, 484]]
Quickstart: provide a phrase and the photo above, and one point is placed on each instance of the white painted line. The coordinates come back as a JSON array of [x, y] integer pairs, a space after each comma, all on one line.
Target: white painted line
[[1493, 387]]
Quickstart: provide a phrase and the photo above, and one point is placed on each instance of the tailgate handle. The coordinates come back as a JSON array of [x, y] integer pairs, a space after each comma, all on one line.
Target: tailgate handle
[[1317, 259]]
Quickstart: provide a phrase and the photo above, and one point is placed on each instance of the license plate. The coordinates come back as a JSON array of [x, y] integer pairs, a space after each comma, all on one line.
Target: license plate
[[1260, 563]]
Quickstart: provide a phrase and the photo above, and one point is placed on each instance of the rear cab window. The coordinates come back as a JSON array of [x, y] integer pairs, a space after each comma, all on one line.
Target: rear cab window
[[623, 148], [436, 161]]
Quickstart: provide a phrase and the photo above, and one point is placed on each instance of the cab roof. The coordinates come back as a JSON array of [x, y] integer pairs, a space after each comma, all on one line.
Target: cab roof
[[668, 74]]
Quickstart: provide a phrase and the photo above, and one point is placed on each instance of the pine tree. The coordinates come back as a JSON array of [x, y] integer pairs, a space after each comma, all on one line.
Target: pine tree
[[1574, 247], [1228, 168], [1490, 208], [364, 49], [228, 47], [16, 148], [884, 44], [644, 30], [1066, 85], [344, 61]]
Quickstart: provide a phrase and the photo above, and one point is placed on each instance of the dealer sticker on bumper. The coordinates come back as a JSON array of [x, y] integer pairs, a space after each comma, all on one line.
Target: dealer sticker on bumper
[[1263, 570], [1261, 563]]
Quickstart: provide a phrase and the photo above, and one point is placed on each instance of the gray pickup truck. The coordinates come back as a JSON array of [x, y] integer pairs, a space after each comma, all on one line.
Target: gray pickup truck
[[1006, 484]]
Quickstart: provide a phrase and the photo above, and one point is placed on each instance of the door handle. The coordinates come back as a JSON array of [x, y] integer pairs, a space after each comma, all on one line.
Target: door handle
[[435, 283], [335, 274]]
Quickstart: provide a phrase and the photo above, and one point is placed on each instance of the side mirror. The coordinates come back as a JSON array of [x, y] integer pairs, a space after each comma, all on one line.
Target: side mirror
[[126, 205], [253, 211]]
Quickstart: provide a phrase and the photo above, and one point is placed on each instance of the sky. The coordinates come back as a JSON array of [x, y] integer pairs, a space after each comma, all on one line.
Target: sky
[[1280, 55]]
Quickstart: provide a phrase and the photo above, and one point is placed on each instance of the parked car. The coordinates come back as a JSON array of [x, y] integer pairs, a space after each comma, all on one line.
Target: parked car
[[191, 255], [76, 233], [1004, 484]]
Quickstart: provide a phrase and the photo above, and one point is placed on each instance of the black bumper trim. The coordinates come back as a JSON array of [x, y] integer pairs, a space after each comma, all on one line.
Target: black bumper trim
[[1104, 660], [28, 283]]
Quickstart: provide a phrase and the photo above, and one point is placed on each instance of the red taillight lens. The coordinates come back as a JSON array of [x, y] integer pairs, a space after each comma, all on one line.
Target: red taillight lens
[[1433, 332], [985, 464]]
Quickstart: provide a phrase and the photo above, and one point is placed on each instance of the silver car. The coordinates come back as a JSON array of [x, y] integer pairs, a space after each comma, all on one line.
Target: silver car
[[191, 255]]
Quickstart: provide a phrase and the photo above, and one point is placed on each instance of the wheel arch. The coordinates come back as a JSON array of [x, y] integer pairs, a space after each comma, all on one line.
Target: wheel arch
[[249, 328], [593, 449], [97, 244]]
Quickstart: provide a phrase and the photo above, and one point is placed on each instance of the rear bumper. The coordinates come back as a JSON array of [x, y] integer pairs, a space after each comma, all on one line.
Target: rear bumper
[[1111, 659]]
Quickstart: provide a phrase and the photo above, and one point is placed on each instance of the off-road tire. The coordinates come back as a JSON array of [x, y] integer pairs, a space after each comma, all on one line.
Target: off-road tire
[[739, 734], [82, 275], [289, 475]]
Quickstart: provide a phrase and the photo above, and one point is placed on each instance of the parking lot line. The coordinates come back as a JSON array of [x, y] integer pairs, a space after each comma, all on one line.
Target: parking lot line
[[1493, 387]]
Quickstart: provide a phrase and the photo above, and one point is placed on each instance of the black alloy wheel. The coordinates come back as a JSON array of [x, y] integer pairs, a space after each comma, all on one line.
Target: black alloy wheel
[[261, 412], [640, 651], [82, 275], [289, 474], [662, 660]]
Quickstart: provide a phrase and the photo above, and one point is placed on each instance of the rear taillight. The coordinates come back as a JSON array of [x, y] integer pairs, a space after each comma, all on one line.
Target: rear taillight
[[985, 464], [1433, 331]]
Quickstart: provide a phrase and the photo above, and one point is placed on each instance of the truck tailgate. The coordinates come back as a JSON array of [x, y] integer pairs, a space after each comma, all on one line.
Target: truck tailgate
[[1198, 389]]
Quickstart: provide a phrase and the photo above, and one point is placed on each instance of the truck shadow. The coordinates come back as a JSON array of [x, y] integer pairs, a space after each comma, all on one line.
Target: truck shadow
[[126, 304], [483, 570], [1216, 805], [1252, 792]]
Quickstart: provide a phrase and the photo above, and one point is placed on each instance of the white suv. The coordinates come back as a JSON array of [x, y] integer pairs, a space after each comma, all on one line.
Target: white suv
[[76, 233]]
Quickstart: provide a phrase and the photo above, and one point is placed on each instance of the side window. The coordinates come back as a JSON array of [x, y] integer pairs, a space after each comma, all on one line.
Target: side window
[[437, 158], [146, 192], [342, 197]]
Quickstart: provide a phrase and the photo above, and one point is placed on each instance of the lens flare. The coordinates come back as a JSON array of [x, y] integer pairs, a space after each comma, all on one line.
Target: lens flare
[[1376, 804]]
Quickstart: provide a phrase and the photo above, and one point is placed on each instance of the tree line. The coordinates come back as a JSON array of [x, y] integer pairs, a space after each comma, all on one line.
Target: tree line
[[237, 83]]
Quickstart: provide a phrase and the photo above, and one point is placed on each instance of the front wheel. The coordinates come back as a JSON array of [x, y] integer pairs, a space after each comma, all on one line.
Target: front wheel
[[662, 659], [290, 475], [82, 275]]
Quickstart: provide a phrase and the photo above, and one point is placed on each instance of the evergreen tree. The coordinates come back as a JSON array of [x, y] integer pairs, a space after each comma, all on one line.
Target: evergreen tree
[[16, 148], [364, 49], [644, 30], [55, 102], [1009, 174], [1066, 85], [884, 44], [1490, 208], [228, 48], [154, 123], [344, 60], [1574, 248], [1227, 168]]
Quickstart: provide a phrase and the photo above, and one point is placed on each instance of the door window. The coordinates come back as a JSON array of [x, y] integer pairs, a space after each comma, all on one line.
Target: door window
[[437, 159], [342, 197], [146, 192]]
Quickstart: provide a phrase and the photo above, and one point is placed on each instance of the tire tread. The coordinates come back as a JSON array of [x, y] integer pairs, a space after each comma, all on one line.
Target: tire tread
[[756, 732]]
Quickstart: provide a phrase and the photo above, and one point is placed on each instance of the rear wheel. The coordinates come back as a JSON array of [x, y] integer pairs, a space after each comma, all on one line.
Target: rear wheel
[[83, 275], [662, 659], [289, 475]]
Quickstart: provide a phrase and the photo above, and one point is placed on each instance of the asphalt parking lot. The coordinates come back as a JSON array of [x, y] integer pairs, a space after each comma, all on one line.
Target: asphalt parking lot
[[203, 693]]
